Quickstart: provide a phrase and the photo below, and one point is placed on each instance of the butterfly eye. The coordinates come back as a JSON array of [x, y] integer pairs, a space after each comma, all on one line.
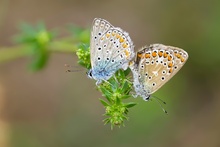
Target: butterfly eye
[[89, 73], [147, 98]]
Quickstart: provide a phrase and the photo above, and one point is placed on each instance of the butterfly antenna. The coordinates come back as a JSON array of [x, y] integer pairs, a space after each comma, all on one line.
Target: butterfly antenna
[[74, 66], [159, 102], [74, 70], [69, 70]]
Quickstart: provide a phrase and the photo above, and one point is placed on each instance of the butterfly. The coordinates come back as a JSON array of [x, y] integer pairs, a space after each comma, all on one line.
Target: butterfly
[[111, 49], [153, 66]]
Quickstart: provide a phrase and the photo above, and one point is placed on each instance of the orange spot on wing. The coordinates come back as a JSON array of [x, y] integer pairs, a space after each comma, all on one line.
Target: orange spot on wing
[[117, 36], [139, 55], [160, 54], [169, 58], [165, 55], [182, 59], [121, 40], [124, 45], [154, 54], [178, 55], [131, 62], [113, 34], [107, 35], [147, 55], [170, 65], [127, 53], [170, 71]]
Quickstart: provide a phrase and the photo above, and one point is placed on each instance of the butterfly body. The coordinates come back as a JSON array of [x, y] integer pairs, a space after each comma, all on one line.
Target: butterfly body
[[155, 65], [111, 49]]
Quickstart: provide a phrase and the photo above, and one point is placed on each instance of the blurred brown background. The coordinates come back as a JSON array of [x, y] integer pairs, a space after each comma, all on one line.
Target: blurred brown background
[[52, 108]]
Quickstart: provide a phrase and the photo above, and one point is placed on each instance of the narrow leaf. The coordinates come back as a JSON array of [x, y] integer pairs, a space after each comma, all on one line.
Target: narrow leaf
[[129, 105], [106, 93], [104, 102]]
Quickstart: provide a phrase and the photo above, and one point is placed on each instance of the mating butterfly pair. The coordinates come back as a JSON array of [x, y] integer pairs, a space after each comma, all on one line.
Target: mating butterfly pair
[[112, 49]]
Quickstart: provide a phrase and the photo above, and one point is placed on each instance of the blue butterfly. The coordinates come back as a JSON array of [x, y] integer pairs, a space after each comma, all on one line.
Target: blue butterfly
[[111, 49]]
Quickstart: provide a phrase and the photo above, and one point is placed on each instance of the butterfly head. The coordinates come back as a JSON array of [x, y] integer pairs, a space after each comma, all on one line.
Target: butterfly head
[[89, 74], [147, 97]]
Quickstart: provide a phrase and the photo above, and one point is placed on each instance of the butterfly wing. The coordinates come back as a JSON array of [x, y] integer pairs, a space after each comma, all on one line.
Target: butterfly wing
[[157, 64], [119, 49], [99, 27], [110, 51]]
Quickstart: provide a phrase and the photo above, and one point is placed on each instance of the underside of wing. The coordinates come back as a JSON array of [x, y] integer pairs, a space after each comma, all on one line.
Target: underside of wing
[[157, 64], [118, 49], [99, 27], [112, 50]]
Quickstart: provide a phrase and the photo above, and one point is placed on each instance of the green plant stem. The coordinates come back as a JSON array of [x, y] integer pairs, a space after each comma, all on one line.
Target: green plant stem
[[11, 53], [62, 46]]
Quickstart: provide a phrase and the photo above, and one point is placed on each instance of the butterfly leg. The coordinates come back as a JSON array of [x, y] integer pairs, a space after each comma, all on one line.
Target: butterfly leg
[[134, 95], [98, 82]]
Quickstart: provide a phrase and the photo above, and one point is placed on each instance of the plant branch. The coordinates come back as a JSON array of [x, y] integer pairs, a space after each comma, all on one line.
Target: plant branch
[[15, 52]]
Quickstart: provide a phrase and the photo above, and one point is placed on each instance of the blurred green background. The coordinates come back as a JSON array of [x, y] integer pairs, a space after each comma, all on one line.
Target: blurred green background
[[52, 108]]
